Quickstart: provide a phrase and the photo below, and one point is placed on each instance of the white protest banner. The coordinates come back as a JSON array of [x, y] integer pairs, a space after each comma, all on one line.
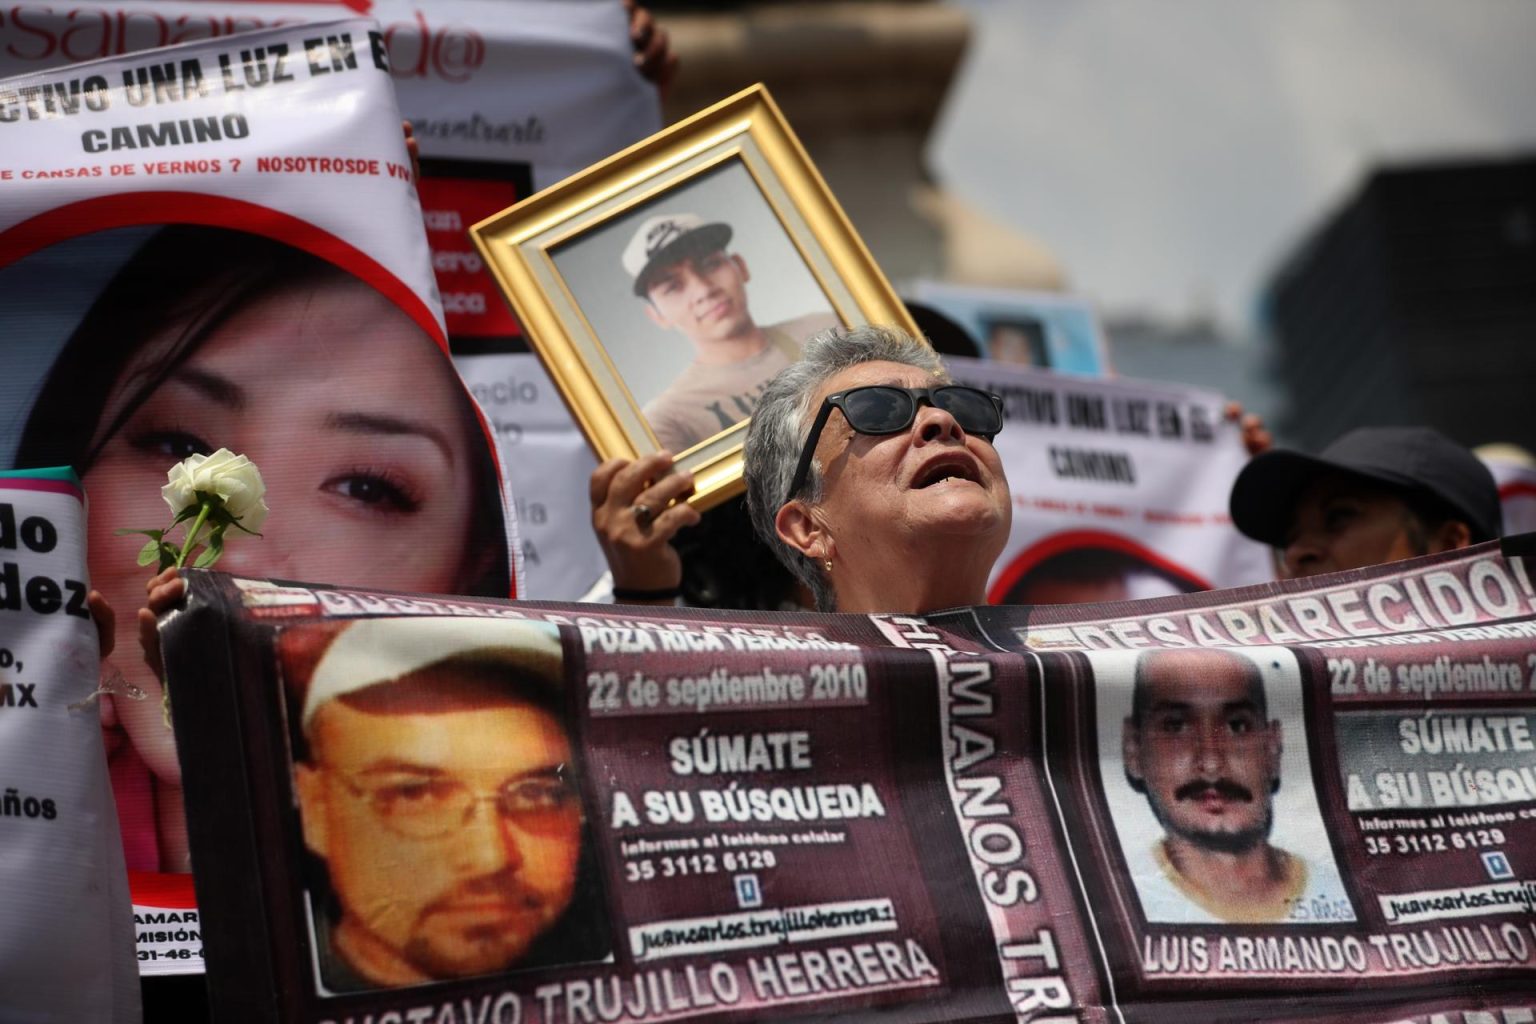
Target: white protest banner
[[65, 932], [1120, 489], [539, 91], [219, 244], [218, 134], [547, 85], [547, 464], [505, 96]]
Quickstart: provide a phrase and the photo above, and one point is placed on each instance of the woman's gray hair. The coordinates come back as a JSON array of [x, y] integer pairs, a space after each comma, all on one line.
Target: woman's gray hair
[[783, 417]]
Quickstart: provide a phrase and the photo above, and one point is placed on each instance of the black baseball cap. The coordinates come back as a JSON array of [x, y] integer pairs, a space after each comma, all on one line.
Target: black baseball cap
[[1417, 460]]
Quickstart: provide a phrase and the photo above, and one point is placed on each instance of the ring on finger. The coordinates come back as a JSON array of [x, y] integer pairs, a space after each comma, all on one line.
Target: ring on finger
[[643, 513]]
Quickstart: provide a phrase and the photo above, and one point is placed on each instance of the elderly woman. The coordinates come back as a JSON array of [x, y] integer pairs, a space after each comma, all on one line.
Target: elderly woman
[[874, 477], [870, 476]]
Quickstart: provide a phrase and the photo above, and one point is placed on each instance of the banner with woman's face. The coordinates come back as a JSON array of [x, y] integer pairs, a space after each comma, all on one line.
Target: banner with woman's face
[[220, 245], [505, 97]]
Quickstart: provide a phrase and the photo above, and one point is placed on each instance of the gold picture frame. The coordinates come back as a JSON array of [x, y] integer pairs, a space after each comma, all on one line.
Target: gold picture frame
[[582, 264]]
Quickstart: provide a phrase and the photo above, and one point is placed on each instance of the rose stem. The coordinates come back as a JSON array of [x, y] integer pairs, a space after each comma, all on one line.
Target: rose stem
[[192, 532]]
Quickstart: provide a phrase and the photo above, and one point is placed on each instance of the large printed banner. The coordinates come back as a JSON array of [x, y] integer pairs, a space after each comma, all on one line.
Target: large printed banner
[[505, 96], [1306, 801], [541, 88], [218, 244]]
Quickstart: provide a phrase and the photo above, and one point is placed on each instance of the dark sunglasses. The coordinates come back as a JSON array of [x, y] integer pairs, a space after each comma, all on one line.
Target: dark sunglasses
[[887, 409]]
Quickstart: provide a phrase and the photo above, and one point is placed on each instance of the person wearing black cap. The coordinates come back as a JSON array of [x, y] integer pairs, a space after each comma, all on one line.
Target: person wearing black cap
[[691, 284], [1377, 494]]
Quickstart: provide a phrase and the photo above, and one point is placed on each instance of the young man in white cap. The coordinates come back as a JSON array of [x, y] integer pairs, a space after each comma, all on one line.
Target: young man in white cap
[[691, 284], [438, 790], [1377, 494]]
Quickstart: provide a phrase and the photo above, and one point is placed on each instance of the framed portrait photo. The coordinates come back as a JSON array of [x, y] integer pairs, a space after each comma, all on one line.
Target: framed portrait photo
[[665, 286]]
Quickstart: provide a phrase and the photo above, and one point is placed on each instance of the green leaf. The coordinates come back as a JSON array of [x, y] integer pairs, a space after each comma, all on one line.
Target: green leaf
[[150, 552], [211, 553], [155, 534], [168, 554]]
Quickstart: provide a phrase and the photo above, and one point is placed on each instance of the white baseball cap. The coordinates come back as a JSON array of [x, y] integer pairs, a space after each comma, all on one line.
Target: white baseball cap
[[667, 238], [371, 652]]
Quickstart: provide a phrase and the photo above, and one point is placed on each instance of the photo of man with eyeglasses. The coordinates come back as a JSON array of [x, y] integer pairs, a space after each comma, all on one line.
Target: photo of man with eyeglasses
[[437, 789]]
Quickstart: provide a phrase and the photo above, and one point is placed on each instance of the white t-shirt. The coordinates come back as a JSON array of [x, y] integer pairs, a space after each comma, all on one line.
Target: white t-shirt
[[1315, 896]]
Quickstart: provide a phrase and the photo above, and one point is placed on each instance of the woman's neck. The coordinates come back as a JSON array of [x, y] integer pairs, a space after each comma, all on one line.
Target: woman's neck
[[913, 582]]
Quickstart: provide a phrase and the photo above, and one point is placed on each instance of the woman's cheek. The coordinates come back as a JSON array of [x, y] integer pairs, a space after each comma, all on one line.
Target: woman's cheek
[[113, 560], [427, 551], [122, 498], [422, 551]]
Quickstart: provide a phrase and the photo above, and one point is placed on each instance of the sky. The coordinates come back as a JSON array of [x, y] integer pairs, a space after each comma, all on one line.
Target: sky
[[1172, 154]]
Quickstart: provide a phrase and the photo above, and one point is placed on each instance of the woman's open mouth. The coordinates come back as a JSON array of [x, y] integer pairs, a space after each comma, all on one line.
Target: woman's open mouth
[[945, 470]]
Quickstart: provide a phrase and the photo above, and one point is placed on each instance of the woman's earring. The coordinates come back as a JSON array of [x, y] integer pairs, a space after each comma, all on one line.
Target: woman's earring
[[828, 564]]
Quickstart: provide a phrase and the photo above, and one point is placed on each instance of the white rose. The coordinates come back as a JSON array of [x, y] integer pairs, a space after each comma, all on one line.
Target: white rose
[[234, 478], [179, 492]]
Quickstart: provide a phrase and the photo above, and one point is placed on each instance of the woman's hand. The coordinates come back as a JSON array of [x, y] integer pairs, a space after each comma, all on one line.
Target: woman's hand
[[105, 619], [1256, 437], [636, 511], [652, 45], [413, 150], [165, 592]]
